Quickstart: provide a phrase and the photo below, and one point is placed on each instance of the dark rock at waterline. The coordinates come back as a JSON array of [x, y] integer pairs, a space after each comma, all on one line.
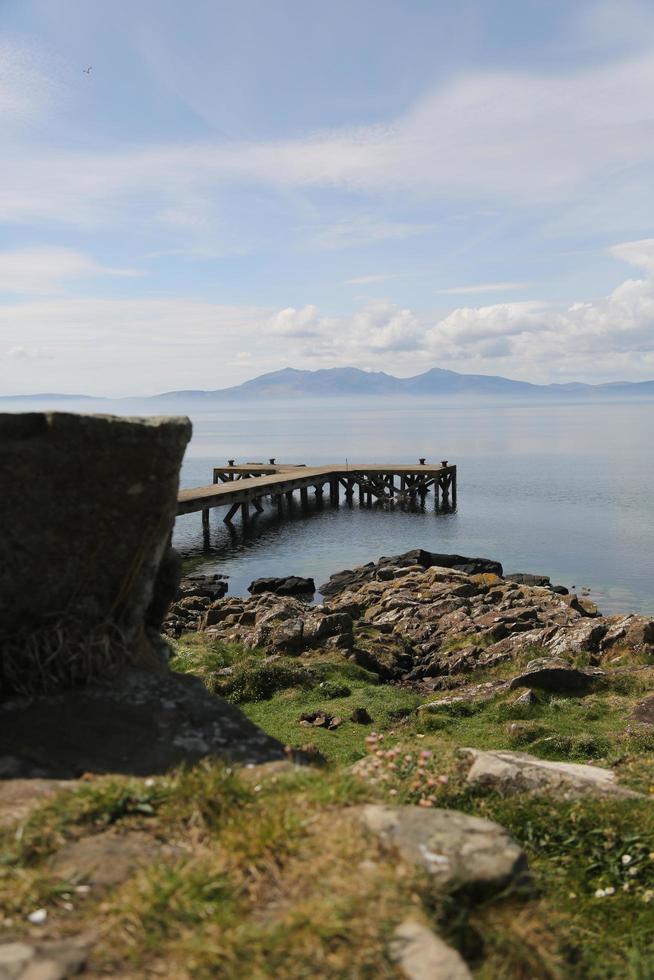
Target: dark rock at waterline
[[544, 581], [140, 723], [417, 558], [287, 585], [203, 586], [86, 510], [428, 559]]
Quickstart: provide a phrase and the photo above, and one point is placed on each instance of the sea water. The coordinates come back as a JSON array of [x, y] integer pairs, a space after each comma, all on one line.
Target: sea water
[[562, 489]]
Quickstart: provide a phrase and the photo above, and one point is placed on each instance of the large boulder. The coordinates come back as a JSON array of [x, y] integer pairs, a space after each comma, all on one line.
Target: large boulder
[[458, 851], [518, 772], [285, 585], [558, 676], [86, 510], [141, 722], [417, 559]]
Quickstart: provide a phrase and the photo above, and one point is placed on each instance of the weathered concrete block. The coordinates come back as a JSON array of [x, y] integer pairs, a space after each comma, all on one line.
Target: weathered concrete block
[[87, 503]]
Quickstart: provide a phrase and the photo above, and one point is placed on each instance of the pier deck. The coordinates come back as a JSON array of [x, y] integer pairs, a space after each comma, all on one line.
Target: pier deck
[[246, 485]]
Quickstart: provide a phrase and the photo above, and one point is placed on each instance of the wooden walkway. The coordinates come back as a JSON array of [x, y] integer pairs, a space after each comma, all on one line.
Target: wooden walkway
[[247, 485]]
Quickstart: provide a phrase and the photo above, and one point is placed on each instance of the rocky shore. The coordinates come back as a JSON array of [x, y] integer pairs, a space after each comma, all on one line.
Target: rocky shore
[[437, 770], [435, 621]]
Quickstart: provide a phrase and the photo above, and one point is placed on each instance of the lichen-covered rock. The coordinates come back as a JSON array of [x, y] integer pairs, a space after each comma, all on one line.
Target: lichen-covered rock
[[422, 955], [387, 568], [86, 511], [518, 772], [460, 852], [408, 619]]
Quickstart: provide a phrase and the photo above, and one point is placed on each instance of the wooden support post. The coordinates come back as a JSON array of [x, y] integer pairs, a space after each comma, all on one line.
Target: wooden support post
[[334, 494], [289, 498], [319, 489], [362, 498], [206, 530], [256, 503], [304, 497], [280, 504], [245, 513], [230, 513]]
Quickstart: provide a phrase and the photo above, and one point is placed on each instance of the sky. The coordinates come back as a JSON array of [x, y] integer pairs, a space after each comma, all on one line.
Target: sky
[[236, 186]]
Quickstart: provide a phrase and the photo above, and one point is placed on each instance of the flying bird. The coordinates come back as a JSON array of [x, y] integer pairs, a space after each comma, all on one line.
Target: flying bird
[[87, 71]]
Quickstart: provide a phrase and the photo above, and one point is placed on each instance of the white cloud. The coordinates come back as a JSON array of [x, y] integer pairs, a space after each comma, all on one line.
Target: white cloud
[[521, 137], [38, 270], [640, 253], [291, 322], [158, 343], [369, 280], [486, 287]]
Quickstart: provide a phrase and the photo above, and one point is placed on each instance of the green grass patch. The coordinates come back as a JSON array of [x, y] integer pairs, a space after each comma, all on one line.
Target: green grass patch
[[388, 707]]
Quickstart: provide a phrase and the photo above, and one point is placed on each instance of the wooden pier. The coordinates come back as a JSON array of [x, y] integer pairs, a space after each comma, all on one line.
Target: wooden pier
[[247, 486]]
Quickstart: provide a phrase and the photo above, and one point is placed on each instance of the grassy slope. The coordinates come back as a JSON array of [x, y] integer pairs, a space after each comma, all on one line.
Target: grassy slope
[[276, 880]]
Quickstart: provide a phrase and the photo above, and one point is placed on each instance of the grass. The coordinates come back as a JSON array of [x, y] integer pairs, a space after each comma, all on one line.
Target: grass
[[272, 876]]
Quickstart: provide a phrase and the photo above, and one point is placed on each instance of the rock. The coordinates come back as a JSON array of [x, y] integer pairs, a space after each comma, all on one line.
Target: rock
[[108, 858], [319, 627], [203, 586], [422, 955], [289, 585], [524, 578], [556, 675], [51, 960], [18, 797], [644, 711], [460, 852], [582, 605], [288, 636], [81, 550], [361, 717], [141, 723], [583, 637], [427, 559], [418, 559], [320, 719], [640, 634], [518, 772], [527, 698], [472, 695]]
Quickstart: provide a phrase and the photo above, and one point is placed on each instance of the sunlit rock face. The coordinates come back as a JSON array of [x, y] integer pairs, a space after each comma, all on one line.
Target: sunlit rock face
[[87, 504]]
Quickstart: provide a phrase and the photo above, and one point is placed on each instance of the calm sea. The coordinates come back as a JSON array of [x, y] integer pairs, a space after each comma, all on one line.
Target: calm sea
[[560, 489]]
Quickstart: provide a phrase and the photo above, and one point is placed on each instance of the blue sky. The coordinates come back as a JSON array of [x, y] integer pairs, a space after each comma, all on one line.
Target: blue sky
[[240, 186]]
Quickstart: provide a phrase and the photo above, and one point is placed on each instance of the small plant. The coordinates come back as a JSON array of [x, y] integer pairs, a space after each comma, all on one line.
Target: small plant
[[332, 689], [253, 679], [408, 776]]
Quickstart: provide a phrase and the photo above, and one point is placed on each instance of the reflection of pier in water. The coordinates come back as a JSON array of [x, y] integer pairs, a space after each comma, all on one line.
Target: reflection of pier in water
[[242, 487]]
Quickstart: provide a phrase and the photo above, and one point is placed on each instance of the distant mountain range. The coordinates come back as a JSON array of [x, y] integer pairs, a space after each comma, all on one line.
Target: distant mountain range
[[352, 382], [349, 382]]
